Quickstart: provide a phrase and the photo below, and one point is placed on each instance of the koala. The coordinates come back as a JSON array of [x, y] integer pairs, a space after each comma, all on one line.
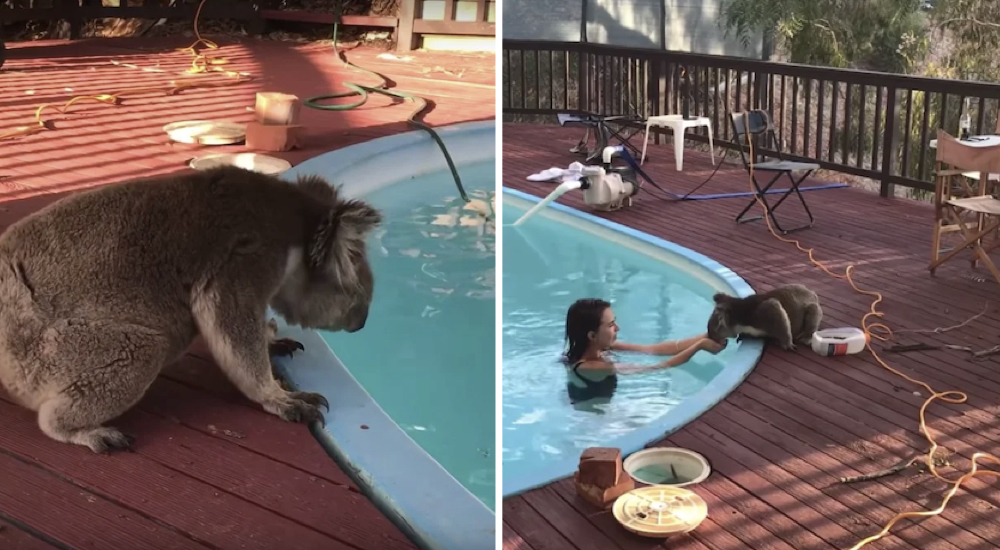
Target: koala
[[101, 290], [789, 314]]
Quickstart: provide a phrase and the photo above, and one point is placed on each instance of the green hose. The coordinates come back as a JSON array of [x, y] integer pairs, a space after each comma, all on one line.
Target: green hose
[[362, 92]]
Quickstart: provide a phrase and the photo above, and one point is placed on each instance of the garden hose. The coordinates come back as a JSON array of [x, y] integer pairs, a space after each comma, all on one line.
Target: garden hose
[[869, 328], [362, 92]]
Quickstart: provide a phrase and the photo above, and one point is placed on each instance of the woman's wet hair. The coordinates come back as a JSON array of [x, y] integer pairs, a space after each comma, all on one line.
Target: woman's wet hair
[[582, 318]]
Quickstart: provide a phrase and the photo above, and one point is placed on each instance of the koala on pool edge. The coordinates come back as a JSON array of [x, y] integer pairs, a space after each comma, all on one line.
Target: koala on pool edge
[[789, 314], [101, 290]]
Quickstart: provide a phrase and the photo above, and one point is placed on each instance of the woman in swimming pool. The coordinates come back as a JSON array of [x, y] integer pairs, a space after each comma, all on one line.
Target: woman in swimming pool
[[591, 330]]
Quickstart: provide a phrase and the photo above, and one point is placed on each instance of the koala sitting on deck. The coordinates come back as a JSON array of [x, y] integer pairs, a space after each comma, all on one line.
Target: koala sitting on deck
[[789, 314], [101, 290]]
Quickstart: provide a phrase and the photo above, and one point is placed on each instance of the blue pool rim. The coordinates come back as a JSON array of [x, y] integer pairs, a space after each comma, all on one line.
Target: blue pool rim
[[742, 363], [403, 481]]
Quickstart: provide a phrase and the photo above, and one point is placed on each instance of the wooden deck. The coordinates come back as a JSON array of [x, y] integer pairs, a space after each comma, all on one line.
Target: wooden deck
[[211, 470], [781, 441]]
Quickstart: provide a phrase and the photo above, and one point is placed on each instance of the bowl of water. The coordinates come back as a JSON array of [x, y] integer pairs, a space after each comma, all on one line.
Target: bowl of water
[[671, 466]]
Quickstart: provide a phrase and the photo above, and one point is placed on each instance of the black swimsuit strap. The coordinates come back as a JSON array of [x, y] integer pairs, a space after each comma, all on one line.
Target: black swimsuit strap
[[586, 380]]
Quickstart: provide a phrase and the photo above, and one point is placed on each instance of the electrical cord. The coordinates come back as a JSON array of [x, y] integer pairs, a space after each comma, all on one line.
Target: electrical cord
[[685, 196], [949, 396], [669, 195]]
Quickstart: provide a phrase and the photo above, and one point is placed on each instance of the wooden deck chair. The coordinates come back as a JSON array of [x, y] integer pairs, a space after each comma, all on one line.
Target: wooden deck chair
[[960, 207], [974, 175], [758, 125]]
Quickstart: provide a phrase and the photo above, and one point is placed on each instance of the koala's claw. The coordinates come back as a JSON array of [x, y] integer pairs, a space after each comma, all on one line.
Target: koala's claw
[[311, 398], [299, 409], [106, 440], [284, 347]]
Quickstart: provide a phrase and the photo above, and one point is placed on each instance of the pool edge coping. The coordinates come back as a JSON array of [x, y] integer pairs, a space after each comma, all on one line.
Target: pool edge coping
[[721, 386], [402, 480]]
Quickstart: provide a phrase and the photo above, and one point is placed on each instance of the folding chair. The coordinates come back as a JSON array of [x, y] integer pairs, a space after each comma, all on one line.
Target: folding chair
[[972, 174], [960, 207], [757, 124], [620, 127]]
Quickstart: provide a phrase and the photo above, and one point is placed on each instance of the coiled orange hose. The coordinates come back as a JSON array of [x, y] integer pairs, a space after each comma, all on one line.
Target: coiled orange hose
[[869, 328]]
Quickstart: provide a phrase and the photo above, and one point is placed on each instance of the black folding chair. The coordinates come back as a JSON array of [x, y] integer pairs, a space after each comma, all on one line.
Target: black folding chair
[[604, 127], [758, 125]]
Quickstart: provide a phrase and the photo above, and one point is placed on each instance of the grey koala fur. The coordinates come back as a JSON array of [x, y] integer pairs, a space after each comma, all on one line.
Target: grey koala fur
[[789, 314], [101, 290]]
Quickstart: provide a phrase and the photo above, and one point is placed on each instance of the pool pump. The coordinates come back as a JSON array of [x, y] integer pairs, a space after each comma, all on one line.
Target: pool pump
[[609, 187], [604, 187]]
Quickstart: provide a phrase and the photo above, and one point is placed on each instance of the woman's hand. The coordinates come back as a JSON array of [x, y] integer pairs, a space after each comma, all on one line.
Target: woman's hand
[[711, 346]]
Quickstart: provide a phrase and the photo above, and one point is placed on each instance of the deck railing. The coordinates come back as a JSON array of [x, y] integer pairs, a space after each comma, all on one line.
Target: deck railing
[[869, 124], [456, 17], [77, 12]]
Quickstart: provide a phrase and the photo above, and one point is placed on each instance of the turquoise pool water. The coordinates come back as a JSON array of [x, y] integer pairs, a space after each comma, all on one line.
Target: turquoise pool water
[[427, 353], [548, 264]]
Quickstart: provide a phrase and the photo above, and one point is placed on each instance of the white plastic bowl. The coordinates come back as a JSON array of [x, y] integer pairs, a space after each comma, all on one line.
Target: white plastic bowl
[[249, 161], [206, 132], [659, 466]]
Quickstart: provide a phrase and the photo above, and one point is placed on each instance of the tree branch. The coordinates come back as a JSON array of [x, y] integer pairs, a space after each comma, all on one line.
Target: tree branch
[[969, 20]]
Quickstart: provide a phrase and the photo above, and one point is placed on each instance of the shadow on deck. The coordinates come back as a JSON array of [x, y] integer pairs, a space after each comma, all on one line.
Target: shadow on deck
[[780, 442], [210, 470]]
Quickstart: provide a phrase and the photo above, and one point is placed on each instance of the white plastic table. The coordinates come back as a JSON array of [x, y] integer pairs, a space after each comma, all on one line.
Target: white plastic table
[[983, 141], [678, 125]]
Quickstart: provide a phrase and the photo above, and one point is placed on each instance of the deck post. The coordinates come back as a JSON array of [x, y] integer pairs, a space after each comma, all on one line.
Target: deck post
[[404, 28], [258, 24], [889, 143], [71, 11]]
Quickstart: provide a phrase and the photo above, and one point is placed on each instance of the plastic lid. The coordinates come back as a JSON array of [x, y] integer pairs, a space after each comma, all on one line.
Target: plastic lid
[[660, 511], [249, 161], [206, 132]]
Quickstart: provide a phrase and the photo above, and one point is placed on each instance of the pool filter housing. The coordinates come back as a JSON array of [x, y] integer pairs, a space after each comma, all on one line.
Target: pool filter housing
[[608, 187], [609, 191]]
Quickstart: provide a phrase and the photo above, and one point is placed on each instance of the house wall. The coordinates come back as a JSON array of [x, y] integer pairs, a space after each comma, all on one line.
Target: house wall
[[691, 25], [556, 20]]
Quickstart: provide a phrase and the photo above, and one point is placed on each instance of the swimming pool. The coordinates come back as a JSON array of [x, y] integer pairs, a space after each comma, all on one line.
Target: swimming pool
[[412, 395], [427, 354], [658, 291]]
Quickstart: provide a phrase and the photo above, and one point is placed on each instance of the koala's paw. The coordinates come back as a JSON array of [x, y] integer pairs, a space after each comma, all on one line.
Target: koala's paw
[[284, 347], [313, 399], [302, 407], [105, 440]]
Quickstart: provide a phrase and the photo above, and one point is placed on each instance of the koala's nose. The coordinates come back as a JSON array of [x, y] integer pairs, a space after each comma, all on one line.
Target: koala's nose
[[359, 323], [359, 326]]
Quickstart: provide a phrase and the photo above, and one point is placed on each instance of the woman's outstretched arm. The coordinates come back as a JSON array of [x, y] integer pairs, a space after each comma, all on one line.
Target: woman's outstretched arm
[[703, 344], [666, 347]]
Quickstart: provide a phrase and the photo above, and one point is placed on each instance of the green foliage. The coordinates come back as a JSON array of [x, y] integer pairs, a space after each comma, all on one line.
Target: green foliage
[[884, 35], [974, 28]]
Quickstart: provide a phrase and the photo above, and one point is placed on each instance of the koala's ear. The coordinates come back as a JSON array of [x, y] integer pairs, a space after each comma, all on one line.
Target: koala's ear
[[342, 231], [357, 219], [318, 187], [321, 242], [721, 298]]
